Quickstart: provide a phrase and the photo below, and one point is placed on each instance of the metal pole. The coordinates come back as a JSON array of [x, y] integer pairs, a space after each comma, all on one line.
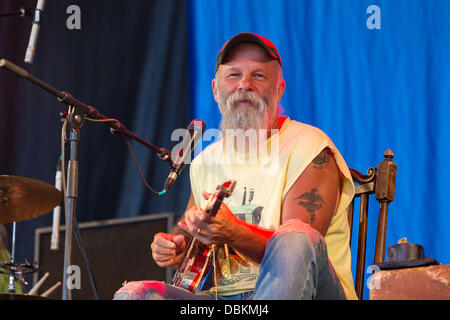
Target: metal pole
[[12, 285], [72, 195]]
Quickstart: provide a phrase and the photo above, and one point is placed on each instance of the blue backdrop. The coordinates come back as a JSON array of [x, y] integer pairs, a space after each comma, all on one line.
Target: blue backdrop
[[368, 89]]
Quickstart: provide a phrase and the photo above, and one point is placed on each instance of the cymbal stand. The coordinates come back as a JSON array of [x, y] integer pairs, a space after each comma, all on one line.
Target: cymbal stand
[[16, 271], [12, 274]]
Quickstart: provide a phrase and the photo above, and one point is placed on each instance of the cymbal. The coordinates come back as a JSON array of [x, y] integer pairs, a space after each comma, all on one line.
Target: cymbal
[[25, 198]]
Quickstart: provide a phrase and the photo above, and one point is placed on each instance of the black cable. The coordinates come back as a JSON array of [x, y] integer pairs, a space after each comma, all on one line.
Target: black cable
[[86, 260], [130, 148]]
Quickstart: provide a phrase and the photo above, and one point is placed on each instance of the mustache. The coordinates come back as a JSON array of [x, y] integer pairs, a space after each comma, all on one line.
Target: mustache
[[238, 97]]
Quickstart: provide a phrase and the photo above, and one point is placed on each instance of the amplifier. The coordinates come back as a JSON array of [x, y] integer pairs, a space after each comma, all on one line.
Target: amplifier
[[118, 250]]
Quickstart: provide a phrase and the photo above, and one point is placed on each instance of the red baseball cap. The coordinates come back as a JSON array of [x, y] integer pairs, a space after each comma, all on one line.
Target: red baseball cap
[[265, 43]]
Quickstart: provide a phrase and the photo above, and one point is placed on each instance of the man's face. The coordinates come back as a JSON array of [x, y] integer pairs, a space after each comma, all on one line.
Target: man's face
[[248, 87]]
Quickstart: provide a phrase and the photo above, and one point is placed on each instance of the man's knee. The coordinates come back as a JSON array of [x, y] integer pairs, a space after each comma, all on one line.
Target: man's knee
[[296, 225], [141, 290], [297, 240]]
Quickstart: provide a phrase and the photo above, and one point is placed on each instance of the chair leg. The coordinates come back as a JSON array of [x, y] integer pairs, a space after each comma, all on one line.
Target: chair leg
[[380, 244], [362, 237]]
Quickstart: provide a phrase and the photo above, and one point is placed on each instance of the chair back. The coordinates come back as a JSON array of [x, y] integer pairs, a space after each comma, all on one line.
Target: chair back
[[381, 182]]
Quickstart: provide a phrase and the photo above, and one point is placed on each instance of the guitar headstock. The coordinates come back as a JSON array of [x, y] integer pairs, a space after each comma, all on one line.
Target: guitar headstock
[[223, 191], [226, 188]]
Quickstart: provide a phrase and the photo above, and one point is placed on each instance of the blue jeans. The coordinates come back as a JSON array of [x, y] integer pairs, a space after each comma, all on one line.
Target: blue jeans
[[295, 266]]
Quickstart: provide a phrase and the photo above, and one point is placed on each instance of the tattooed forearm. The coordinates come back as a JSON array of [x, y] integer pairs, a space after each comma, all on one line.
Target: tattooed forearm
[[323, 157], [311, 201]]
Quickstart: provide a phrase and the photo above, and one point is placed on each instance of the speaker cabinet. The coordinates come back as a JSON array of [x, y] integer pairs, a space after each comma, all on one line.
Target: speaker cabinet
[[118, 250]]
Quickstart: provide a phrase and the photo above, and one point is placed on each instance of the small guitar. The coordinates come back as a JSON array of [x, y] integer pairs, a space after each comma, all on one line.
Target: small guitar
[[193, 271]]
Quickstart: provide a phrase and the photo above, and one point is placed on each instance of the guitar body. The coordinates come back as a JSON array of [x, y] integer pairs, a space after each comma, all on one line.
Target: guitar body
[[197, 262], [195, 267]]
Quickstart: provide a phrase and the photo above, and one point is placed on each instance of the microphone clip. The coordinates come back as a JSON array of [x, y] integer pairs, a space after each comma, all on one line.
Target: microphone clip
[[166, 156]]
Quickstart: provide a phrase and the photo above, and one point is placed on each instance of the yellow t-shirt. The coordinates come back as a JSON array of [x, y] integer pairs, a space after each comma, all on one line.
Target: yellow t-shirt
[[262, 184]]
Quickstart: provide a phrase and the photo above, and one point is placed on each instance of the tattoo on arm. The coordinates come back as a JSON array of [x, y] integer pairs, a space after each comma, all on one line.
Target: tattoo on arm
[[312, 201], [323, 157]]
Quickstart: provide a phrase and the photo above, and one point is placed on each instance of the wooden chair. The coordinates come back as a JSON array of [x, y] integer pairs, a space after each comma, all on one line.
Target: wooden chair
[[381, 182]]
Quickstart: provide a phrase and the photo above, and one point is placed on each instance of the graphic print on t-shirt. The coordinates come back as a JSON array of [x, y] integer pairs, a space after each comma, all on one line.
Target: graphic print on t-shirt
[[248, 212], [235, 271]]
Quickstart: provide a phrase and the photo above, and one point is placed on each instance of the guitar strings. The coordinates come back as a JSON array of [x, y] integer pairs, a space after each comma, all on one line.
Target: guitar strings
[[215, 272]]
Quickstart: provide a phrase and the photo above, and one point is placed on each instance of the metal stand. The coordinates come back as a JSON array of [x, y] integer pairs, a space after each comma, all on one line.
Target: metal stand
[[16, 271], [72, 195], [12, 274], [78, 112], [76, 121]]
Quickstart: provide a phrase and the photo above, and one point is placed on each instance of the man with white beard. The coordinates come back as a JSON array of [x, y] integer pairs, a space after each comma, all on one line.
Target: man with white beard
[[283, 232]]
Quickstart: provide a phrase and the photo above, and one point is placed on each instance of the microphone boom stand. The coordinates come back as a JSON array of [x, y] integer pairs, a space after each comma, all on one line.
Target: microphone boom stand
[[72, 195], [79, 111], [22, 13]]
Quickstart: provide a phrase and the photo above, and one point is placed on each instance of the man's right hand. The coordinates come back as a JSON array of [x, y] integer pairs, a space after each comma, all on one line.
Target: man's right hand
[[168, 249]]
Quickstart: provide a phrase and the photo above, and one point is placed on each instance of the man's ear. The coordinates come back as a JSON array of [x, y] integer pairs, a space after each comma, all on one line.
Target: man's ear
[[281, 88], [214, 89]]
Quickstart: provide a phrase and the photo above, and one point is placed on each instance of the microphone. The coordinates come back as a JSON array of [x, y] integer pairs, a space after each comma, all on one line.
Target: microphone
[[196, 129], [29, 55], [54, 243]]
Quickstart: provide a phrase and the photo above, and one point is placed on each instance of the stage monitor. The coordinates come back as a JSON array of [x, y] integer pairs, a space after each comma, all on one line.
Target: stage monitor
[[118, 250]]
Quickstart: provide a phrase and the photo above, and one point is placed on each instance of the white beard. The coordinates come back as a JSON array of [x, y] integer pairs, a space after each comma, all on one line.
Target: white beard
[[259, 115], [245, 127]]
